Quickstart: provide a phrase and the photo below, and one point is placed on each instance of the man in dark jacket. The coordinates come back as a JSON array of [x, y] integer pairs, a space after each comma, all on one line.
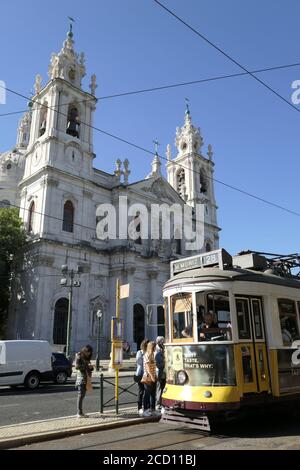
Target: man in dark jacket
[[160, 370]]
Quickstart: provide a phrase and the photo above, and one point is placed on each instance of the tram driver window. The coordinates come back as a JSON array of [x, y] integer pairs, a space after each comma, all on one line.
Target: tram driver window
[[213, 316], [182, 319], [288, 321]]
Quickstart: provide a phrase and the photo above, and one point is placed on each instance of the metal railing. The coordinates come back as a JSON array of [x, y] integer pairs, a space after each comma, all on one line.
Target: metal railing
[[121, 388]]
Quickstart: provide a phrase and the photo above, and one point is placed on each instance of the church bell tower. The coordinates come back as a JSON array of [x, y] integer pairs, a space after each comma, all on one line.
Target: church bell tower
[[191, 175], [61, 133]]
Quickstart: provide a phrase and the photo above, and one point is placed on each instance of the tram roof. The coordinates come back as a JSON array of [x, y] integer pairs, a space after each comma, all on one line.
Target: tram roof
[[231, 274]]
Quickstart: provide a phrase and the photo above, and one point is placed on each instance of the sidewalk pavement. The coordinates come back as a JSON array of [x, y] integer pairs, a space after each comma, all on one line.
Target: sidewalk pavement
[[129, 365], [108, 373], [20, 434]]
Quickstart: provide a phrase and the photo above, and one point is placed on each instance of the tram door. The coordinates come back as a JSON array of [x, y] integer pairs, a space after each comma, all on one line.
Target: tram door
[[251, 350]]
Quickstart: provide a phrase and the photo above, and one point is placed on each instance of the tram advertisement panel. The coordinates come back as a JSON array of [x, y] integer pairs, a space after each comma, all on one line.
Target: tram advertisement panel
[[207, 365], [288, 369]]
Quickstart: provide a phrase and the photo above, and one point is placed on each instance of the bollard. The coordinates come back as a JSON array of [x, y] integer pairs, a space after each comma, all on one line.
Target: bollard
[[117, 390], [101, 392]]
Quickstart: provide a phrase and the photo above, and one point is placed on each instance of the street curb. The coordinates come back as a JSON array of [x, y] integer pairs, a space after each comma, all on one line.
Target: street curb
[[60, 434]]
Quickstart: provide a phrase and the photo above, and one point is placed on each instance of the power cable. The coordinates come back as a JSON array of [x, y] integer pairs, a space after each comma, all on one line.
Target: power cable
[[172, 85], [138, 147], [227, 55]]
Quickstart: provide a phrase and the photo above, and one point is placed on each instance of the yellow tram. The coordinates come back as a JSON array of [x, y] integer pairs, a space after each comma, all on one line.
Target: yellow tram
[[232, 331]]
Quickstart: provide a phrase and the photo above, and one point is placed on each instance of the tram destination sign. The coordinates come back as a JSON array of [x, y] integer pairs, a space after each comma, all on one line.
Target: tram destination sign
[[218, 257]]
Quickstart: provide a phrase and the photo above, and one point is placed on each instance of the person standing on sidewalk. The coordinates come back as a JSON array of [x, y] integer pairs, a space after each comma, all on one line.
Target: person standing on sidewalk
[[149, 379], [139, 373], [84, 372], [160, 370]]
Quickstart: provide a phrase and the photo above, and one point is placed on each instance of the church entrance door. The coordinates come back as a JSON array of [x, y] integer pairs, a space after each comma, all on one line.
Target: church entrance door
[[138, 324]]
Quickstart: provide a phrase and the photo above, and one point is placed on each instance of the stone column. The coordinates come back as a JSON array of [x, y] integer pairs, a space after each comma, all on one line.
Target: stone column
[[129, 308], [54, 107], [151, 331]]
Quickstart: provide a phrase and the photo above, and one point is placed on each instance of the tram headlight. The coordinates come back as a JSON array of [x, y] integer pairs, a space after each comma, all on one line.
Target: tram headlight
[[182, 377]]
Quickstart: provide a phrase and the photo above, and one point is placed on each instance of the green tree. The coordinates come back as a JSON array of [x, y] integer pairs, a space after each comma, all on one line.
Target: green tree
[[12, 246]]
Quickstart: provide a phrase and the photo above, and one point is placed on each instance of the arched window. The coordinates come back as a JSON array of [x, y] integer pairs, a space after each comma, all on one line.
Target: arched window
[[68, 219], [95, 320], [31, 213], [181, 182], [203, 182], [73, 121], [137, 224], [160, 321], [138, 324], [72, 74], [208, 247], [43, 119], [60, 324], [178, 244]]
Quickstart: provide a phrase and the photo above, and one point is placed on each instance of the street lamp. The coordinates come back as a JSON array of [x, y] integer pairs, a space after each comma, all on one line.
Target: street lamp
[[99, 316], [70, 280]]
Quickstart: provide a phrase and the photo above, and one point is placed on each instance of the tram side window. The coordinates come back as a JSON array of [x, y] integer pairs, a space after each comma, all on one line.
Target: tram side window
[[182, 319], [288, 321], [243, 318], [166, 319], [214, 322]]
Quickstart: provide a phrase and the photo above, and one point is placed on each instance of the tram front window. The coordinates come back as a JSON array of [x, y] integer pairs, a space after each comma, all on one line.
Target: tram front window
[[182, 319], [213, 316]]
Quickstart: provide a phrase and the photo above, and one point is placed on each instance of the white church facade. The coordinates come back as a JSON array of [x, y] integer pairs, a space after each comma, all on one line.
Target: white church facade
[[50, 176]]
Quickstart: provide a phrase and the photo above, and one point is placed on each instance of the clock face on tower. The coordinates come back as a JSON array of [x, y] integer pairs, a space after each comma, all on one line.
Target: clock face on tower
[[73, 158], [36, 157]]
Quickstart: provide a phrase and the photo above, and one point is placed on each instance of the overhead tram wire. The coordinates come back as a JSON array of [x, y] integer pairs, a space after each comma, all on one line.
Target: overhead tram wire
[[169, 86], [195, 82], [195, 31], [138, 147]]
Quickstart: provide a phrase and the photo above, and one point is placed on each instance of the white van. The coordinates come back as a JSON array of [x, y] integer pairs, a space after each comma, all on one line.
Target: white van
[[22, 362]]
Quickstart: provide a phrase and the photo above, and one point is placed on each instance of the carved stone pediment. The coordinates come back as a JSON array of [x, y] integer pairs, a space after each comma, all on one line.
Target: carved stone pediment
[[160, 190]]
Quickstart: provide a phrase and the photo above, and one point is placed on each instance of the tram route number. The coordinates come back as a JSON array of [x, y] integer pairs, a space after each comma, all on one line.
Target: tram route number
[[132, 461]]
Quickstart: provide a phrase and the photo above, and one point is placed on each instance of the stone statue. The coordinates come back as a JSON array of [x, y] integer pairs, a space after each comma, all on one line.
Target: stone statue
[[209, 151], [38, 83], [82, 59], [118, 170], [93, 85], [168, 152], [126, 171]]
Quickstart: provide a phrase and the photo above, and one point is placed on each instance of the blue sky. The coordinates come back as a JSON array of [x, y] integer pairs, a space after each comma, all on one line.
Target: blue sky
[[133, 44]]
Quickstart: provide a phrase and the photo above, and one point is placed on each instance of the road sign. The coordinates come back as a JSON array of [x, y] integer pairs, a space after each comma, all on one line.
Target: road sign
[[117, 354], [124, 291], [117, 329]]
